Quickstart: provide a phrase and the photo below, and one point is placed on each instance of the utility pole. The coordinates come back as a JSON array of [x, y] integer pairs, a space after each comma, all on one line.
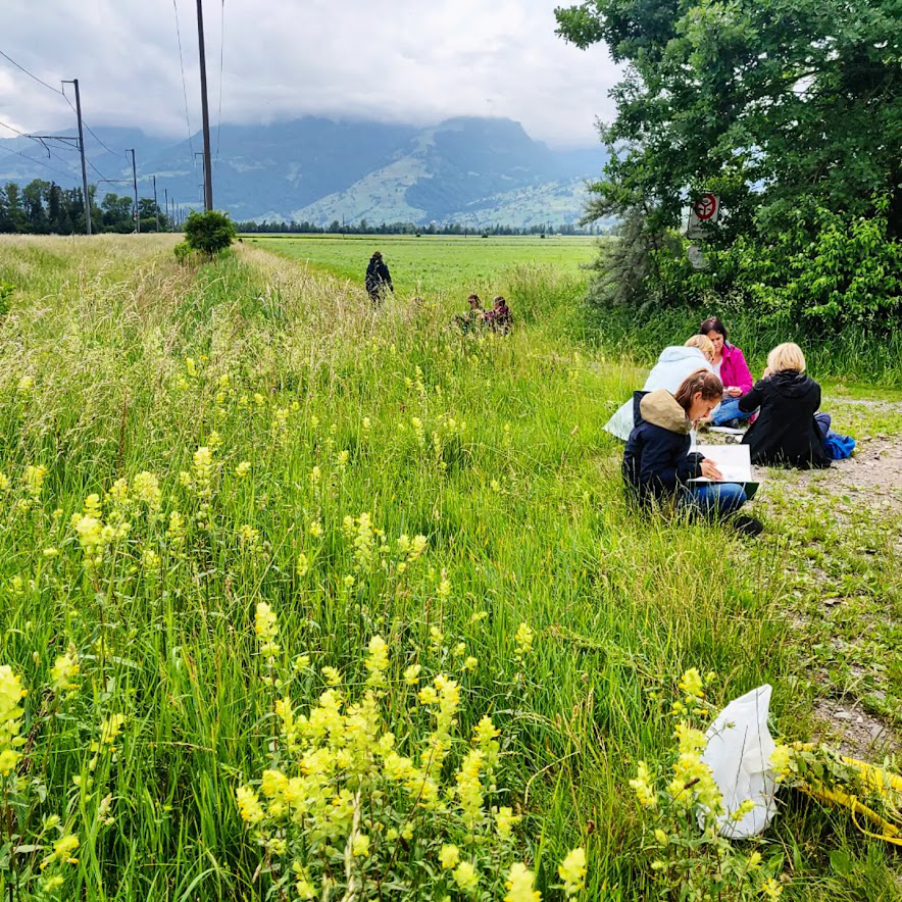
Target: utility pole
[[166, 201], [156, 209], [135, 184], [81, 147], [208, 169]]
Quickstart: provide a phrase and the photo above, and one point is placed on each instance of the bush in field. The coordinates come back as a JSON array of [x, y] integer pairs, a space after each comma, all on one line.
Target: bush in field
[[6, 292], [209, 233]]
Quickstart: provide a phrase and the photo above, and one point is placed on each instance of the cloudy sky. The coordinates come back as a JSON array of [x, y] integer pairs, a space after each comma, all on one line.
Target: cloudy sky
[[415, 61]]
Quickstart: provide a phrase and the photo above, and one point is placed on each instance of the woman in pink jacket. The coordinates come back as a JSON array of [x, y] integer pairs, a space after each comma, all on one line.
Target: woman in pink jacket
[[729, 363]]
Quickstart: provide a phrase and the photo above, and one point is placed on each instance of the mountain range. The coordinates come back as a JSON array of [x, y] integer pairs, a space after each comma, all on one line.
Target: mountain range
[[474, 171]]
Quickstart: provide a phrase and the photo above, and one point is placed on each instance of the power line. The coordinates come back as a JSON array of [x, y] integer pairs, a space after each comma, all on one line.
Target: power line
[[90, 130], [25, 156], [29, 74], [221, 58], [178, 33], [42, 141]]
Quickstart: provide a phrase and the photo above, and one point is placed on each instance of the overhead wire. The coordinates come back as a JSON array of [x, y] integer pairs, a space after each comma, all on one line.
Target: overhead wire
[[30, 74], [33, 160]]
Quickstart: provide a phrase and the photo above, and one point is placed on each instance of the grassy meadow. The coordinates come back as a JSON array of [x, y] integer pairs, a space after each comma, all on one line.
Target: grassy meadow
[[214, 483], [431, 264]]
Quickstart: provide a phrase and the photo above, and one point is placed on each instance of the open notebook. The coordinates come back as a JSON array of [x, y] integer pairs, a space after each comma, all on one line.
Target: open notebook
[[733, 461]]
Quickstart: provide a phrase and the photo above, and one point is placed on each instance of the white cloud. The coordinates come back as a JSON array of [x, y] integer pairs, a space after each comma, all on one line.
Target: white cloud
[[403, 61]]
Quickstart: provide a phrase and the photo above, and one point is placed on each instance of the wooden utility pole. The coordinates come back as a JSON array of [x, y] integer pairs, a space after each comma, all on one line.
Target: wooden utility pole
[[208, 168], [84, 164], [135, 184], [166, 201], [156, 209]]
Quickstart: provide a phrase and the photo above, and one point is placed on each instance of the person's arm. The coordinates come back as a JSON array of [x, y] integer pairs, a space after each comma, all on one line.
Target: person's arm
[[388, 278], [752, 399], [689, 466], [817, 404]]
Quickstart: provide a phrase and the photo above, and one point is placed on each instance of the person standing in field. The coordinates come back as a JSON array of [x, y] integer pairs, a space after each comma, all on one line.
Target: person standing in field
[[473, 317], [378, 278]]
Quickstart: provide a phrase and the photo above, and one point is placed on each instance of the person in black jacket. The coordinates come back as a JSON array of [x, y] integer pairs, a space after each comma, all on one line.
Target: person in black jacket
[[786, 433], [657, 463], [378, 278]]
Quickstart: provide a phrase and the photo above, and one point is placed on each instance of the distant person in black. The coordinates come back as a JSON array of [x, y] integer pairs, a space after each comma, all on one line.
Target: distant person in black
[[377, 278]]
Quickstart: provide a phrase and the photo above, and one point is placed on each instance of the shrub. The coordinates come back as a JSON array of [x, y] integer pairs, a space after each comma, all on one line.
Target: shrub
[[6, 292], [209, 233]]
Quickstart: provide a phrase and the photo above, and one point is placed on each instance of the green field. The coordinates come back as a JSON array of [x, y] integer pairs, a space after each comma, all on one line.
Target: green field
[[430, 264], [213, 482]]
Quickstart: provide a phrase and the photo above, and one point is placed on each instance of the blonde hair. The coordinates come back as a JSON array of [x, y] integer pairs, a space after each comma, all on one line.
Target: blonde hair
[[704, 344], [701, 381], [787, 356]]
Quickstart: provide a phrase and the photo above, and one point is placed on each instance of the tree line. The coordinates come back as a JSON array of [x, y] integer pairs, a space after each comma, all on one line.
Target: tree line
[[44, 208], [406, 228]]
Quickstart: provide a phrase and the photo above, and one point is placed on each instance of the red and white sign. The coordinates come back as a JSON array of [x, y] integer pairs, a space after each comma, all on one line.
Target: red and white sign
[[705, 211]]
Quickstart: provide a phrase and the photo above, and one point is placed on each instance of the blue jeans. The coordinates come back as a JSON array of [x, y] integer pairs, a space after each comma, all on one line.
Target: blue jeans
[[728, 410], [713, 500]]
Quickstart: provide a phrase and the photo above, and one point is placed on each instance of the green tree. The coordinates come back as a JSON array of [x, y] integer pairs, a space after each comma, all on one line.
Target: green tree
[[777, 107], [209, 233], [758, 99]]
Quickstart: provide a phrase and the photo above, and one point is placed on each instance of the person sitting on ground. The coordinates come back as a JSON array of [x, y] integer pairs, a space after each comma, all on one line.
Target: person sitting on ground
[[499, 318], [378, 278], [728, 363], [674, 364], [658, 465], [786, 432], [473, 317]]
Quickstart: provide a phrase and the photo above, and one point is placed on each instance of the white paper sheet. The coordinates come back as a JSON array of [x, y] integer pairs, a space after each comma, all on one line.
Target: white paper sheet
[[733, 461]]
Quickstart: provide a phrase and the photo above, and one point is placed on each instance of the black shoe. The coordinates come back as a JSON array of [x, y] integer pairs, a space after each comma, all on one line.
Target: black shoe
[[747, 526]]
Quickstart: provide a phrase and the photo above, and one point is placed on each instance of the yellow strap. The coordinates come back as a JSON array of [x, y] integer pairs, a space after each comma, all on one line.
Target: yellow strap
[[838, 797]]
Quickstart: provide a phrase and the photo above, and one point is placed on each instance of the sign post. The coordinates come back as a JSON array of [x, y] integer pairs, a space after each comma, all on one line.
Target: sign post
[[704, 213]]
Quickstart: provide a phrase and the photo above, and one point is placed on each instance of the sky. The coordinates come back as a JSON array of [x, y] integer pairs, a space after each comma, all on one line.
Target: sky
[[410, 61]]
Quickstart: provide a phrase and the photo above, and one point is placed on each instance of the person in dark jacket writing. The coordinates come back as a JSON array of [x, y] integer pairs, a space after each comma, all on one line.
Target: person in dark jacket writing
[[786, 432], [657, 463], [378, 278]]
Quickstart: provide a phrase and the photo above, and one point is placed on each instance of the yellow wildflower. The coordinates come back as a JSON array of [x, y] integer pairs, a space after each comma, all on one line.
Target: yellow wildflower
[[520, 883], [449, 856], [505, 820], [466, 877], [643, 787], [249, 806], [333, 677], [523, 638], [266, 626], [65, 670], [243, 469], [692, 683], [303, 565], [412, 674], [376, 662], [572, 871], [771, 889], [781, 761], [34, 481], [360, 846]]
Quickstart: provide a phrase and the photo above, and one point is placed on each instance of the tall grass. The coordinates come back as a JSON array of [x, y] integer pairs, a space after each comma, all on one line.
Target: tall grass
[[116, 361]]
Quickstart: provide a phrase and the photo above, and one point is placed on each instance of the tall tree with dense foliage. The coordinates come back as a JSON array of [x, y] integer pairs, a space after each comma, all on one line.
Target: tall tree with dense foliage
[[790, 111]]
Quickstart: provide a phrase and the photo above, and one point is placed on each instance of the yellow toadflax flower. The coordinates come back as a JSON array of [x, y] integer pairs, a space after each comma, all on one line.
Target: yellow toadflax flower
[[643, 787], [376, 662], [62, 850], [266, 626], [65, 670], [523, 638], [466, 877], [249, 806], [146, 488], [520, 883], [449, 856], [692, 683], [572, 871]]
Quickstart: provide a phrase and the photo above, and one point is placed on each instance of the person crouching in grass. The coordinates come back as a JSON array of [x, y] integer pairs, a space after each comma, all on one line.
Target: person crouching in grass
[[658, 465]]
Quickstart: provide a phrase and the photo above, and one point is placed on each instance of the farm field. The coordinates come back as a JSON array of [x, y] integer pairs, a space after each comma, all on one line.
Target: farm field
[[431, 264], [258, 536]]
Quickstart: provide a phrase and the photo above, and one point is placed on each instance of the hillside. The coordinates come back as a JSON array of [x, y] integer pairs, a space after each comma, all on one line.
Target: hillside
[[473, 170]]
